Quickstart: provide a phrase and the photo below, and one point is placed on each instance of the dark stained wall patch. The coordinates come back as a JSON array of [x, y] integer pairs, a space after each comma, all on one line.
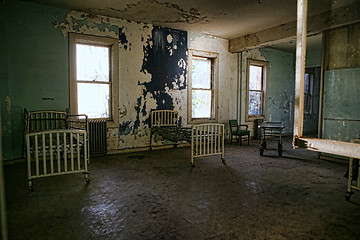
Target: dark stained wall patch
[[166, 60], [123, 40]]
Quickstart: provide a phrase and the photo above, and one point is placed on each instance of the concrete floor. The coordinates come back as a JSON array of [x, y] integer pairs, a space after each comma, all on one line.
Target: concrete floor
[[157, 195]]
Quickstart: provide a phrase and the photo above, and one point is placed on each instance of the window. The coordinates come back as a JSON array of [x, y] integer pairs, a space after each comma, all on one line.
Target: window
[[256, 89], [308, 91], [94, 76], [202, 86]]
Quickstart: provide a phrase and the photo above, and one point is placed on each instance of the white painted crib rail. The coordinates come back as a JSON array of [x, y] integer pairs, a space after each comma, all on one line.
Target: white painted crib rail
[[207, 139], [162, 118], [56, 152]]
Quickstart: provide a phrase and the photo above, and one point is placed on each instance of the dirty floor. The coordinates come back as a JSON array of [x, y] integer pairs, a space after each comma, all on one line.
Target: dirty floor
[[158, 195]]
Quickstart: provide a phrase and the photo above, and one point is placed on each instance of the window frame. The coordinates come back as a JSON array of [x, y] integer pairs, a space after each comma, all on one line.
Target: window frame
[[265, 66], [309, 95], [113, 44], [214, 85]]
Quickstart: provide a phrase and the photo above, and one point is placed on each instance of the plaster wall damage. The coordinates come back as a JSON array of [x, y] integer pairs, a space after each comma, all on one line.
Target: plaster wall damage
[[152, 72]]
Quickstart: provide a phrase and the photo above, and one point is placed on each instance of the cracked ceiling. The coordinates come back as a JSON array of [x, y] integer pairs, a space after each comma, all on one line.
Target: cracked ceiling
[[227, 19]]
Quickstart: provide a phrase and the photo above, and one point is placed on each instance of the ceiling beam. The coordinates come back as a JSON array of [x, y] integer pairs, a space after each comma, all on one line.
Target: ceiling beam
[[328, 20]]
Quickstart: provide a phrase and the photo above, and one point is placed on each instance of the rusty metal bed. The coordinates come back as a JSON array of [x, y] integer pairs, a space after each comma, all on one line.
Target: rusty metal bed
[[55, 144], [205, 139]]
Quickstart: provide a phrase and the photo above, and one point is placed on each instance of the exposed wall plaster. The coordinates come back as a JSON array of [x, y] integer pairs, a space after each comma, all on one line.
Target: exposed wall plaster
[[152, 72]]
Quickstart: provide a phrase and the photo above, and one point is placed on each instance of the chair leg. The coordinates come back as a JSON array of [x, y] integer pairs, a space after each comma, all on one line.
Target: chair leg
[[249, 139], [240, 139]]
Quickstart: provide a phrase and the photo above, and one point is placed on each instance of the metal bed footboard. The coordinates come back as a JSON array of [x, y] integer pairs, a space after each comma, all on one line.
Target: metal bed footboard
[[165, 123], [56, 152], [206, 140]]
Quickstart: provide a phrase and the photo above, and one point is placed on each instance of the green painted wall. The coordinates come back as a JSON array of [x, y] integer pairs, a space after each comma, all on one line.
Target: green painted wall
[[313, 58], [36, 67], [341, 112], [281, 88]]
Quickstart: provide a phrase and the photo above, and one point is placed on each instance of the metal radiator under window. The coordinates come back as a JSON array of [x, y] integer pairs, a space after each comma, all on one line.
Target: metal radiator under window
[[97, 137]]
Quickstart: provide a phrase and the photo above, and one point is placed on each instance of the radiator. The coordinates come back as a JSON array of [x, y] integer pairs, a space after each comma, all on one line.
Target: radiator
[[97, 137]]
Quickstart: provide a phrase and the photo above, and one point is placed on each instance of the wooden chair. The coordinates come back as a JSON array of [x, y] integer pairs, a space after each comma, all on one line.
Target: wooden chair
[[235, 130]]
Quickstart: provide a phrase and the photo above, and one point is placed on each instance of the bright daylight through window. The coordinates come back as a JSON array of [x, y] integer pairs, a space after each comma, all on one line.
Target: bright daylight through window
[[93, 80], [256, 88], [202, 87]]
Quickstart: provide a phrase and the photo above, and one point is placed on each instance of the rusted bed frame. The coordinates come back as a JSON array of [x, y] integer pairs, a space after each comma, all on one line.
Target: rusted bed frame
[[205, 139], [55, 144]]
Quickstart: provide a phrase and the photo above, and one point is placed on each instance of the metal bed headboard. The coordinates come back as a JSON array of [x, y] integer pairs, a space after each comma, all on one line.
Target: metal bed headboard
[[164, 118]]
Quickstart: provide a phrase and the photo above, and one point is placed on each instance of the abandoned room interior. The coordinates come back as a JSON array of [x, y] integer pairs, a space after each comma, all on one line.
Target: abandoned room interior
[[193, 119]]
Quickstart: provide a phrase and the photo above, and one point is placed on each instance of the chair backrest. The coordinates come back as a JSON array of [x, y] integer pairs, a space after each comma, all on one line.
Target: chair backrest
[[233, 124]]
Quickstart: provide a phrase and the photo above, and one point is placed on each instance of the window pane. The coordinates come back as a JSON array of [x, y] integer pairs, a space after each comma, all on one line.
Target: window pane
[[306, 104], [201, 72], [92, 63], [255, 78], [93, 100], [306, 89], [201, 104], [255, 100]]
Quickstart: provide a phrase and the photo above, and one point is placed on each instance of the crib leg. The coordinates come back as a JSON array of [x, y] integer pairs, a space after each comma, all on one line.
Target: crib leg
[[348, 195], [151, 136], [30, 185], [192, 162], [86, 176]]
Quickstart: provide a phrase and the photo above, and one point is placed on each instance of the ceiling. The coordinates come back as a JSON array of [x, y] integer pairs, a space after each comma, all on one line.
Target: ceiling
[[227, 19], [313, 42]]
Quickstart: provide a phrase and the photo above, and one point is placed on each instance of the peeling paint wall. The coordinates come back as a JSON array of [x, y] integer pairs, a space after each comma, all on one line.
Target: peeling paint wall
[[280, 88], [228, 76], [152, 70], [161, 84]]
